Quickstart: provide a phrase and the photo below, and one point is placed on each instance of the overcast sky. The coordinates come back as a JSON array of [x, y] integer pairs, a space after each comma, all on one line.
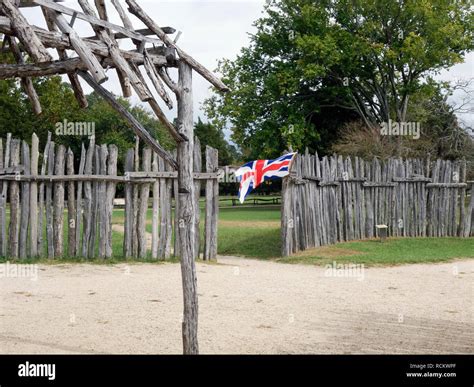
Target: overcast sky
[[211, 30]]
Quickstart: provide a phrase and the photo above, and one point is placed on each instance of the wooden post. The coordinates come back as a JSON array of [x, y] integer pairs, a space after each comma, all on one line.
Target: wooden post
[[14, 201], [94, 204], [128, 234], [156, 210], [3, 201], [44, 165], [102, 202], [143, 205], [286, 221], [49, 202], [164, 247], [111, 171], [71, 206], [186, 211], [212, 206], [197, 194], [25, 201], [136, 188], [87, 216], [58, 224], [176, 252], [34, 197], [79, 202]]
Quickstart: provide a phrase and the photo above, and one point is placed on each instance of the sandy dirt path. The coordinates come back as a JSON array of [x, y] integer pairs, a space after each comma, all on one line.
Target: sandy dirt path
[[246, 306]]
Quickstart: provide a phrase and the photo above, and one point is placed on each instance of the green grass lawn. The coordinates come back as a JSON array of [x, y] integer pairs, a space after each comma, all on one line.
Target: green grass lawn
[[258, 236], [393, 251], [254, 232]]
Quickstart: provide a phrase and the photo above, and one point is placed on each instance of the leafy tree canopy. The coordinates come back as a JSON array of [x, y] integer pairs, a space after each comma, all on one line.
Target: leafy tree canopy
[[210, 135], [314, 65]]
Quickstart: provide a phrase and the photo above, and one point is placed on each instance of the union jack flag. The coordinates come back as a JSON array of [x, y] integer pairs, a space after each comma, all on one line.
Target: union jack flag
[[256, 172]]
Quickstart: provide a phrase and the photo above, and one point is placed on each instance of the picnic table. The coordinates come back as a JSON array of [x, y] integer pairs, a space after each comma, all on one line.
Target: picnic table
[[275, 200]]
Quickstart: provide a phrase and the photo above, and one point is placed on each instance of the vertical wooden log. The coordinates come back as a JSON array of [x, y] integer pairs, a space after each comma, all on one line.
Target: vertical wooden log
[[164, 247], [197, 165], [328, 205], [286, 221], [186, 211], [102, 217], [136, 190], [71, 206], [44, 165], [58, 224], [212, 205], [34, 197], [14, 201], [79, 203], [95, 203], [318, 194], [369, 223], [87, 216], [462, 200], [156, 210], [111, 171], [469, 227], [143, 205], [49, 203], [25, 201], [176, 252], [3, 201], [128, 232]]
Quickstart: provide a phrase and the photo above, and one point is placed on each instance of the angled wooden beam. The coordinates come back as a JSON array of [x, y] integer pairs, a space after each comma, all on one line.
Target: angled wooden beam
[[145, 32], [163, 73], [155, 79], [82, 49], [159, 113], [93, 20], [43, 69], [123, 15], [148, 21], [30, 3], [139, 130], [52, 39], [124, 80], [73, 78], [101, 9], [24, 32], [120, 63], [26, 82]]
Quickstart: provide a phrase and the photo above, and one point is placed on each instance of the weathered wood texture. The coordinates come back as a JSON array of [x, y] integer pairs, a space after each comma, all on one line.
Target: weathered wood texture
[[65, 208], [332, 199], [212, 207], [186, 210]]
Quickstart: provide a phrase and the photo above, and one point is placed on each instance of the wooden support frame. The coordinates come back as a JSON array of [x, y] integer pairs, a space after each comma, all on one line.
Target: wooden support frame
[[95, 55], [136, 126], [186, 213]]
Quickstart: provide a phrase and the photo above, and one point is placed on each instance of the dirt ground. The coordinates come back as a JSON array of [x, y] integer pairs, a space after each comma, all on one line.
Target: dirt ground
[[246, 306]]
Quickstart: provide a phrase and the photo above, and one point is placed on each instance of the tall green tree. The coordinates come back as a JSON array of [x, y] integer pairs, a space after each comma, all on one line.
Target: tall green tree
[[212, 136], [314, 65], [59, 104]]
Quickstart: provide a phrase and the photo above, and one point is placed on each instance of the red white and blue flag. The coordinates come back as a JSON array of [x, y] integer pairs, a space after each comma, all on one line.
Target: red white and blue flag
[[256, 172]]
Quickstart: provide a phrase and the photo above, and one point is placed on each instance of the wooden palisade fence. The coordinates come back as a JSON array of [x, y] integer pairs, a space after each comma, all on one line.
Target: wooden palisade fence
[[334, 199], [39, 188], [155, 50]]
